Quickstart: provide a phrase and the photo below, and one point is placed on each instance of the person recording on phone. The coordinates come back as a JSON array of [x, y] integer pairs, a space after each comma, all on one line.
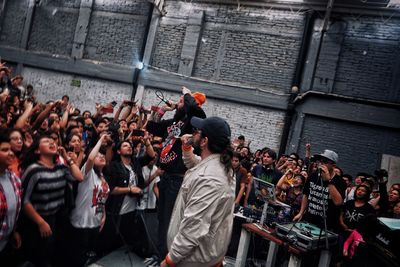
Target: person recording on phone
[[330, 190]]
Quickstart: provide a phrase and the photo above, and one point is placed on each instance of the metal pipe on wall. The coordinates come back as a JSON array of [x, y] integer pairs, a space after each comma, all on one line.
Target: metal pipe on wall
[[305, 42], [137, 70]]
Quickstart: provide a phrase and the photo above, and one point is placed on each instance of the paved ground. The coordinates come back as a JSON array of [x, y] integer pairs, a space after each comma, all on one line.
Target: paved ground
[[124, 258], [119, 258]]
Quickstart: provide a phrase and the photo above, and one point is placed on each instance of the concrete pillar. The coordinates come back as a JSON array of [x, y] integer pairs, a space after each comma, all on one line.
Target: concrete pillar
[[296, 135], [81, 29], [148, 51], [191, 42], [328, 59], [28, 24], [2, 12]]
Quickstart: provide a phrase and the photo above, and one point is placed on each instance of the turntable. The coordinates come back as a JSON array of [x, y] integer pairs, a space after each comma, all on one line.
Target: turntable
[[305, 235]]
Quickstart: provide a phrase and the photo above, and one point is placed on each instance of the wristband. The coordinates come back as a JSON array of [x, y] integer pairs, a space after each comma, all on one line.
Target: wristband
[[169, 261], [186, 147], [70, 162]]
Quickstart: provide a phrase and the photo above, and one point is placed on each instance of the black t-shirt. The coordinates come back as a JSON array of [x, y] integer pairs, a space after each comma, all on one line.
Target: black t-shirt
[[270, 175], [316, 193], [354, 216], [170, 159]]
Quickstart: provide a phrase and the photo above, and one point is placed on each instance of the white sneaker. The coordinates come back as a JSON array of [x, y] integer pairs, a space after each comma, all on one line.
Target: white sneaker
[[152, 261]]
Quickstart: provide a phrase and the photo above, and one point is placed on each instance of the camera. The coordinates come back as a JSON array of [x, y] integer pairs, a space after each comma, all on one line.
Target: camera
[[109, 108], [113, 131], [136, 132], [130, 103], [145, 111]]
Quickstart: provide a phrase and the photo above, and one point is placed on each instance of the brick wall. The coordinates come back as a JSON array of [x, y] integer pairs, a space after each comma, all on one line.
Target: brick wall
[[53, 85], [53, 30], [368, 63], [61, 3], [133, 7], [168, 45], [262, 126], [115, 38], [116, 31], [13, 23], [207, 54], [373, 45], [260, 60], [359, 146], [250, 46]]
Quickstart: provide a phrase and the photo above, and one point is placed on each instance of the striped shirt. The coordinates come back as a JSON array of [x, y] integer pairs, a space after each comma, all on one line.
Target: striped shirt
[[45, 187]]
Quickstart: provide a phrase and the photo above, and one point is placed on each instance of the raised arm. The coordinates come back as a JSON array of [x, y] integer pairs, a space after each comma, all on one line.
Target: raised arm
[[75, 171], [44, 114], [149, 148], [132, 113], [93, 154], [118, 113], [28, 109], [64, 119]]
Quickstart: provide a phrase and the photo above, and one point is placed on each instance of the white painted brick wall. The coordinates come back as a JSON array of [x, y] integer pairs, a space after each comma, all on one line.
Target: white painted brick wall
[[50, 85]]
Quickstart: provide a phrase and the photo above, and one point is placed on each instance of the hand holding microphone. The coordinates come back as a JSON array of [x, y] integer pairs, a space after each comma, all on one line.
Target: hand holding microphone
[[187, 139], [323, 172], [187, 142]]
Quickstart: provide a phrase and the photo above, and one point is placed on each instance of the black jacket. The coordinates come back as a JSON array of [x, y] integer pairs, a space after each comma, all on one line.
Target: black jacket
[[117, 175]]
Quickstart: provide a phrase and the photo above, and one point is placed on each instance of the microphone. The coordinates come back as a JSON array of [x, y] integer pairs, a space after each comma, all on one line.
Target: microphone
[[319, 169], [166, 102], [160, 95]]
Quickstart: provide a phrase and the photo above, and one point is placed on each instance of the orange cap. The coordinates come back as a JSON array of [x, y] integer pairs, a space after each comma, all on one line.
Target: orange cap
[[199, 97]]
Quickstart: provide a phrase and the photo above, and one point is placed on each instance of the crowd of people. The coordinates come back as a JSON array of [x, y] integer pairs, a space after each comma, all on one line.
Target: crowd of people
[[76, 185]]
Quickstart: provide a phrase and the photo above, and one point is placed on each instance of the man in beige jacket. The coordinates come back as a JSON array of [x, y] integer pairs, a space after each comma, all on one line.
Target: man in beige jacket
[[201, 223]]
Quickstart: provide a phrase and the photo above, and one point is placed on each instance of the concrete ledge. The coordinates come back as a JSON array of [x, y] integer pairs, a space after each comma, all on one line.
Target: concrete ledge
[[147, 77], [232, 93], [90, 68], [352, 112]]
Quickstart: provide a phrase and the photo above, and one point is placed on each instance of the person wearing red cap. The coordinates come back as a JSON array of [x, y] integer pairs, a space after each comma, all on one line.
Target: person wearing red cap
[[200, 98]]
